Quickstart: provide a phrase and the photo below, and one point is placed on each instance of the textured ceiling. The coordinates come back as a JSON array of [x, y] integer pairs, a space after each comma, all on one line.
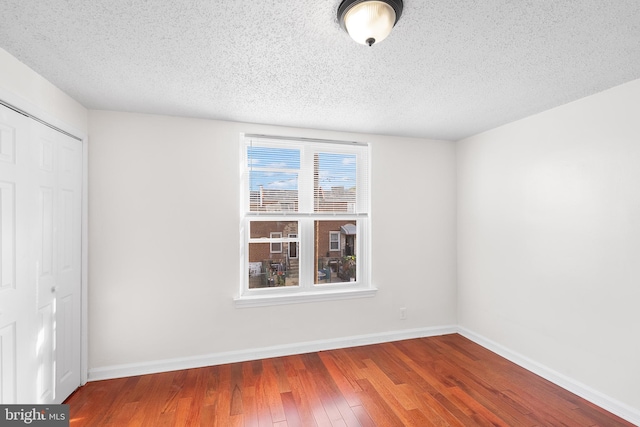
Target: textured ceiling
[[450, 68]]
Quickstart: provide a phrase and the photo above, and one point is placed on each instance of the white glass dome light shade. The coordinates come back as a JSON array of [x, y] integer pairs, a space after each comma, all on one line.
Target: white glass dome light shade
[[370, 22]]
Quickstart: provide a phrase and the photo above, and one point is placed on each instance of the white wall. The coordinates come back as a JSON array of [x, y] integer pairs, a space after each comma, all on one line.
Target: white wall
[[164, 221], [21, 85], [549, 239]]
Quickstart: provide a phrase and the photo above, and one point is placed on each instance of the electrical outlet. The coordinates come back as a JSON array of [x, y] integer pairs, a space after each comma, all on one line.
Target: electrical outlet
[[403, 313]]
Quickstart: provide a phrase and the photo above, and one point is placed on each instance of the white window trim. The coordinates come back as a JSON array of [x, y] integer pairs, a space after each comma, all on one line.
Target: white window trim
[[301, 297], [308, 292]]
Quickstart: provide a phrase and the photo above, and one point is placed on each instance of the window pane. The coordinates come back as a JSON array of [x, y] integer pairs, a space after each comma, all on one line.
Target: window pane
[[334, 182], [273, 158], [268, 270], [273, 263], [273, 179], [335, 251], [273, 192]]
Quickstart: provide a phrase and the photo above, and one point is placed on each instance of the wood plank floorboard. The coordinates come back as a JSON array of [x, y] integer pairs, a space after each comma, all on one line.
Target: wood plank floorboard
[[436, 381]]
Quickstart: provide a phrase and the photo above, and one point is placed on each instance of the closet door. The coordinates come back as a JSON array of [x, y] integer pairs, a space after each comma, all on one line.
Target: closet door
[[57, 259], [40, 261], [69, 274]]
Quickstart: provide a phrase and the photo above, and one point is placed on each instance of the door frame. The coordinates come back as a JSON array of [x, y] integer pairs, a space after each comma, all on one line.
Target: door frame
[[17, 102], [295, 245]]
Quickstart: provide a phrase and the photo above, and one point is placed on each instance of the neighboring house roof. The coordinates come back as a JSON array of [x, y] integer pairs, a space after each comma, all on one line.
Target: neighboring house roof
[[348, 229], [338, 199]]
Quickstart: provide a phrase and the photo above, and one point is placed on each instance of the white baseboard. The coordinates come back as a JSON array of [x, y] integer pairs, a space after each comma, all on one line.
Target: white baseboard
[[132, 369], [612, 405]]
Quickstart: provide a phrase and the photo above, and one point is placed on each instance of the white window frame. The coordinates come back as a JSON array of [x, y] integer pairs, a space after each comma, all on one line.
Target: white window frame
[[358, 214], [331, 234]]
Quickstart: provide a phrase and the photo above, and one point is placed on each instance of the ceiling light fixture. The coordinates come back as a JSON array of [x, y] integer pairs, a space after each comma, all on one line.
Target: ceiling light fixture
[[368, 21]]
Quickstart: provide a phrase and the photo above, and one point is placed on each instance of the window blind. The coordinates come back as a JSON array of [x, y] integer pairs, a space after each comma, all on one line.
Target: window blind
[[306, 177]]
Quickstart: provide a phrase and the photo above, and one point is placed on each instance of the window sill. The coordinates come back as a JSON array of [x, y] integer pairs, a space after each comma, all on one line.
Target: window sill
[[301, 297]]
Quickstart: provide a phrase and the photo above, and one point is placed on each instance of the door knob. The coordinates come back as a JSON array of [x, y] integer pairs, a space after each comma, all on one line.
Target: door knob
[[53, 289]]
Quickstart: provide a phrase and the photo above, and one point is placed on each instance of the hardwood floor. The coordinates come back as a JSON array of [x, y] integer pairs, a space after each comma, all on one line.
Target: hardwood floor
[[439, 381]]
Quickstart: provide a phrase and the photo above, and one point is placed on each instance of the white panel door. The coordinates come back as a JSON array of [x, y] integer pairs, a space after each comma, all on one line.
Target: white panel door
[[68, 246], [42, 144], [57, 259], [17, 290]]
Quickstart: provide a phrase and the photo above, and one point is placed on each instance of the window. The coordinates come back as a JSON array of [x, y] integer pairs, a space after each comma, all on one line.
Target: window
[[304, 220], [276, 246], [334, 241]]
